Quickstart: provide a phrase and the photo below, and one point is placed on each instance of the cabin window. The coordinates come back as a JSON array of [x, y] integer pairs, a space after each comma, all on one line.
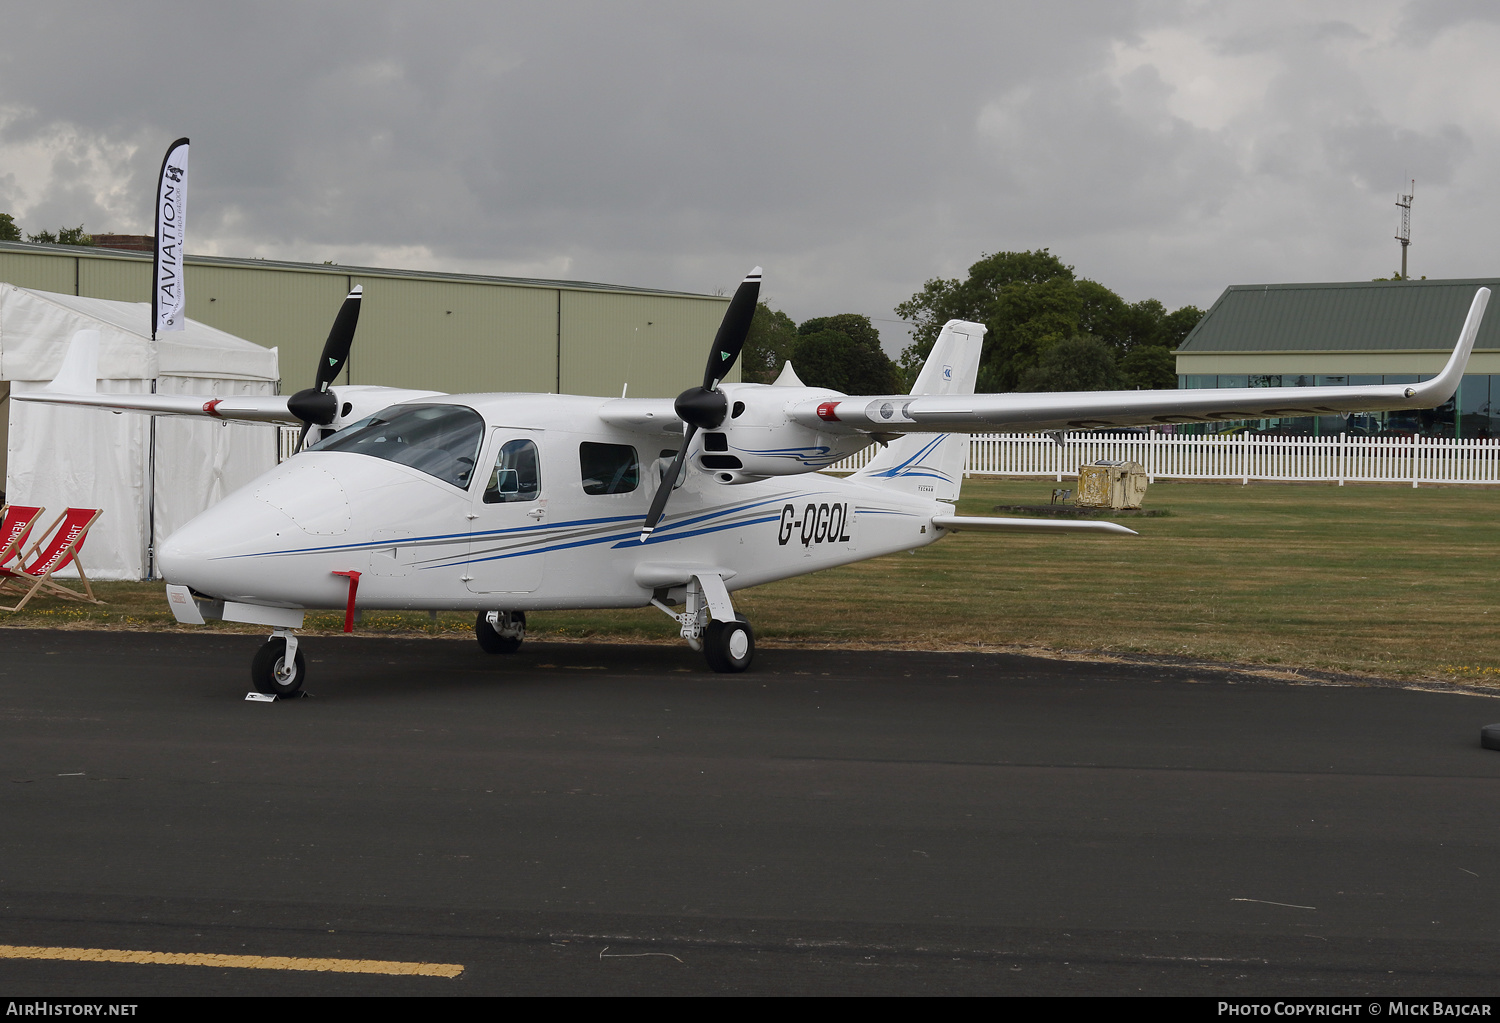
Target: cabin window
[[608, 468], [440, 440], [517, 475]]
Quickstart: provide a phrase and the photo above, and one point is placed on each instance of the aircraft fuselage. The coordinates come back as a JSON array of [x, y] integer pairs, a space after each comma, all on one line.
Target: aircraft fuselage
[[538, 505]]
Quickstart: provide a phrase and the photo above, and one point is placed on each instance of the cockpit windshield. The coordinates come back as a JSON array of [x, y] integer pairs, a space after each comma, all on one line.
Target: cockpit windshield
[[440, 440]]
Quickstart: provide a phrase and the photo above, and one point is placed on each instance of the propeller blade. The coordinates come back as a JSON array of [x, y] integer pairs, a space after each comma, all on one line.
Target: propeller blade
[[659, 502], [733, 330], [302, 439], [706, 406], [340, 339]]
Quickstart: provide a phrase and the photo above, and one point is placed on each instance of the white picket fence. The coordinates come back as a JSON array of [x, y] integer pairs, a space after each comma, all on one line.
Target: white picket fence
[[1340, 459]]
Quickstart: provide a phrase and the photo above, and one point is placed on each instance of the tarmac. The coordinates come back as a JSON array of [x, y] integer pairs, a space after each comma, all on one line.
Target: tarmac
[[596, 819]]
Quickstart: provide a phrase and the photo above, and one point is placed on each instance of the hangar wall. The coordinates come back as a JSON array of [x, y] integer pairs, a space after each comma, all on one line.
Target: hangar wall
[[448, 332]]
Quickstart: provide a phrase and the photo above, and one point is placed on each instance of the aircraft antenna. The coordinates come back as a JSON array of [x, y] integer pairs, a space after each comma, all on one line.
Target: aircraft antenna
[[1404, 201]]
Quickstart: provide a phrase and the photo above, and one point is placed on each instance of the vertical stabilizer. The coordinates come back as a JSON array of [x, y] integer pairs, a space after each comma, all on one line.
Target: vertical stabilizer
[[80, 368], [931, 464]]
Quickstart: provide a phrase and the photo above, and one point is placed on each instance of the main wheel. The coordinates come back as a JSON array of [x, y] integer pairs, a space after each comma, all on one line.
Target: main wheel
[[729, 646], [492, 642], [270, 674]]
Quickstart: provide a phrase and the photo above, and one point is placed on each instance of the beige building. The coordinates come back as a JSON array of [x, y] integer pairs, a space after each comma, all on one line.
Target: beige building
[[448, 332]]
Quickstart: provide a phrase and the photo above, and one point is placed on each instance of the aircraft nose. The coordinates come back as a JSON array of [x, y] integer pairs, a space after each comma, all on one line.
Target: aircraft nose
[[221, 551]]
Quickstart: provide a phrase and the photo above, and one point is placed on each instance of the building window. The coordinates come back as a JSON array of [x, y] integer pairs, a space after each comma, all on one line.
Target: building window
[[608, 468]]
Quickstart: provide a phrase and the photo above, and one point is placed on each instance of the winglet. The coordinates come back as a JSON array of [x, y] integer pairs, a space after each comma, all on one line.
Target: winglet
[[1441, 387], [80, 367]]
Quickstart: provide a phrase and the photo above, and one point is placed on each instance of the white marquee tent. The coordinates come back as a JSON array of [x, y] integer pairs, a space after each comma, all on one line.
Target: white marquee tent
[[58, 456]]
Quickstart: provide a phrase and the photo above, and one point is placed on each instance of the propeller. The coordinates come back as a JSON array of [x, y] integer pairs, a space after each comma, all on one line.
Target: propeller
[[705, 407], [316, 405]]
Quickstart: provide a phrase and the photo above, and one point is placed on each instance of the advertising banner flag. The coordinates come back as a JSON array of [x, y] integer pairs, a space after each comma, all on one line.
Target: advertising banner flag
[[168, 286]]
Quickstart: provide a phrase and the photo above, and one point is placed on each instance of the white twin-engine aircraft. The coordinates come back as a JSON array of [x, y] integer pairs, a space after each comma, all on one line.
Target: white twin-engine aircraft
[[509, 503]]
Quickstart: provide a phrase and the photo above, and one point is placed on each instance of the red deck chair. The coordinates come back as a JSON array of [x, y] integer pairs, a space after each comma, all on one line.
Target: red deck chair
[[67, 534], [16, 521]]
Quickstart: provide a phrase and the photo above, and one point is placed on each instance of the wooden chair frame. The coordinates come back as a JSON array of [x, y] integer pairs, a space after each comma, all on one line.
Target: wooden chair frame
[[44, 582]]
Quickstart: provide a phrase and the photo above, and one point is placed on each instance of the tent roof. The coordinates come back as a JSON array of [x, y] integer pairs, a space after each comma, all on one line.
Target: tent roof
[[36, 326]]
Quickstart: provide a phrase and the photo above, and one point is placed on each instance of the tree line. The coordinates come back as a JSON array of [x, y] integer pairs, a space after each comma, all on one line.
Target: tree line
[[1049, 330], [10, 232]]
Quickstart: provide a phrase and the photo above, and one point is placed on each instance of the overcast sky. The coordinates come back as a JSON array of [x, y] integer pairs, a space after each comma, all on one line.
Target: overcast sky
[[855, 150]]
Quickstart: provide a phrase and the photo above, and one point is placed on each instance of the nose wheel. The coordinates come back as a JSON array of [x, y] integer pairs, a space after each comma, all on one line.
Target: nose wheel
[[500, 632], [277, 671]]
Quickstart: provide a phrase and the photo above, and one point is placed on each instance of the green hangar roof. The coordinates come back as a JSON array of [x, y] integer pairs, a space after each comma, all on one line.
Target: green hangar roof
[[1367, 316]]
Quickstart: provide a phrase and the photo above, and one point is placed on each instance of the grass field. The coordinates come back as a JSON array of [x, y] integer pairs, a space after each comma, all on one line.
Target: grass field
[[1378, 579]]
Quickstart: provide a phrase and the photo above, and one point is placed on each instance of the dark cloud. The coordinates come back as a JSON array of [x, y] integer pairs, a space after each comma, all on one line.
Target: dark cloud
[[854, 149]]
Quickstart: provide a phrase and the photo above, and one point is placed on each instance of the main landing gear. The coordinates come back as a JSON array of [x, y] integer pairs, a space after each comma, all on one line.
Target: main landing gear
[[710, 624], [500, 632], [278, 668]]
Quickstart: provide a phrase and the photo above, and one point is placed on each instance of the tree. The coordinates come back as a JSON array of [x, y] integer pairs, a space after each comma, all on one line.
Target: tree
[[830, 358], [1176, 326], [843, 352], [974, 297], [9, 232], [852, 325], [768, 346], [64, 236], [1031, 302], [1149, 367], [1074, 364]]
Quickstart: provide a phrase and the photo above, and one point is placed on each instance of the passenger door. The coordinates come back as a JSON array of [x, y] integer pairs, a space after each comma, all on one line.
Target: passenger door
[[508, 530]]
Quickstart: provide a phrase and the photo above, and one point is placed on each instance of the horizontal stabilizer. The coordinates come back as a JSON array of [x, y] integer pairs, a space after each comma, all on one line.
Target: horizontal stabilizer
[[984, 524]]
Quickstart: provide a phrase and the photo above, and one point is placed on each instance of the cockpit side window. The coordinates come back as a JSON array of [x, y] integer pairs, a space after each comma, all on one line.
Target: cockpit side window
[[440, 440], [517, 475], [609, 468]]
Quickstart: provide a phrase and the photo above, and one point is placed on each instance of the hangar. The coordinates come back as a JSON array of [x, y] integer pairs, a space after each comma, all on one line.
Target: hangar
[[1363, 332], [447, 332]]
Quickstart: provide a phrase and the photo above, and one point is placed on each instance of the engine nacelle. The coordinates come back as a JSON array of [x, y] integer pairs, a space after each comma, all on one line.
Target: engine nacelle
[[759, 438]]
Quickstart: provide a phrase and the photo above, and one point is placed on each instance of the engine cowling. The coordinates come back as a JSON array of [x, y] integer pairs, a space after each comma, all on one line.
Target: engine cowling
[[759, 438]]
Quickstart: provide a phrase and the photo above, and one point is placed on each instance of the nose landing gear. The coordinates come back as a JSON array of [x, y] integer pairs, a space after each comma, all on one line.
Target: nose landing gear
[[278, 668], [500, 632]]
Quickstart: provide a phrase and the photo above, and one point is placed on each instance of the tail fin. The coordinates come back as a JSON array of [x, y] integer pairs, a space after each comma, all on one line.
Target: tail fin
[[80, 367], [926, 463]]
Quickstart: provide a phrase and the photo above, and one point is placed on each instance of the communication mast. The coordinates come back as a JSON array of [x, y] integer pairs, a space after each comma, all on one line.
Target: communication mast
[[1404, 201]]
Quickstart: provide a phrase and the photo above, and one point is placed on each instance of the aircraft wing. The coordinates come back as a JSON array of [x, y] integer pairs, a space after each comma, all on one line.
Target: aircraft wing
[[244, 408], [646, 415], [77, 383], [1087, 410]]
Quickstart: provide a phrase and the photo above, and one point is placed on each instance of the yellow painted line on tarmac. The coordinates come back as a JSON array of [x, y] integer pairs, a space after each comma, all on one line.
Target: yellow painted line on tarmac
[[120, 955]]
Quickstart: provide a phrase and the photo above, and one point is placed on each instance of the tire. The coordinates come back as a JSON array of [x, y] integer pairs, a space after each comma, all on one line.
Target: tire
[[729, 646], [1489, 737], [267, 670], [491, 642]]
